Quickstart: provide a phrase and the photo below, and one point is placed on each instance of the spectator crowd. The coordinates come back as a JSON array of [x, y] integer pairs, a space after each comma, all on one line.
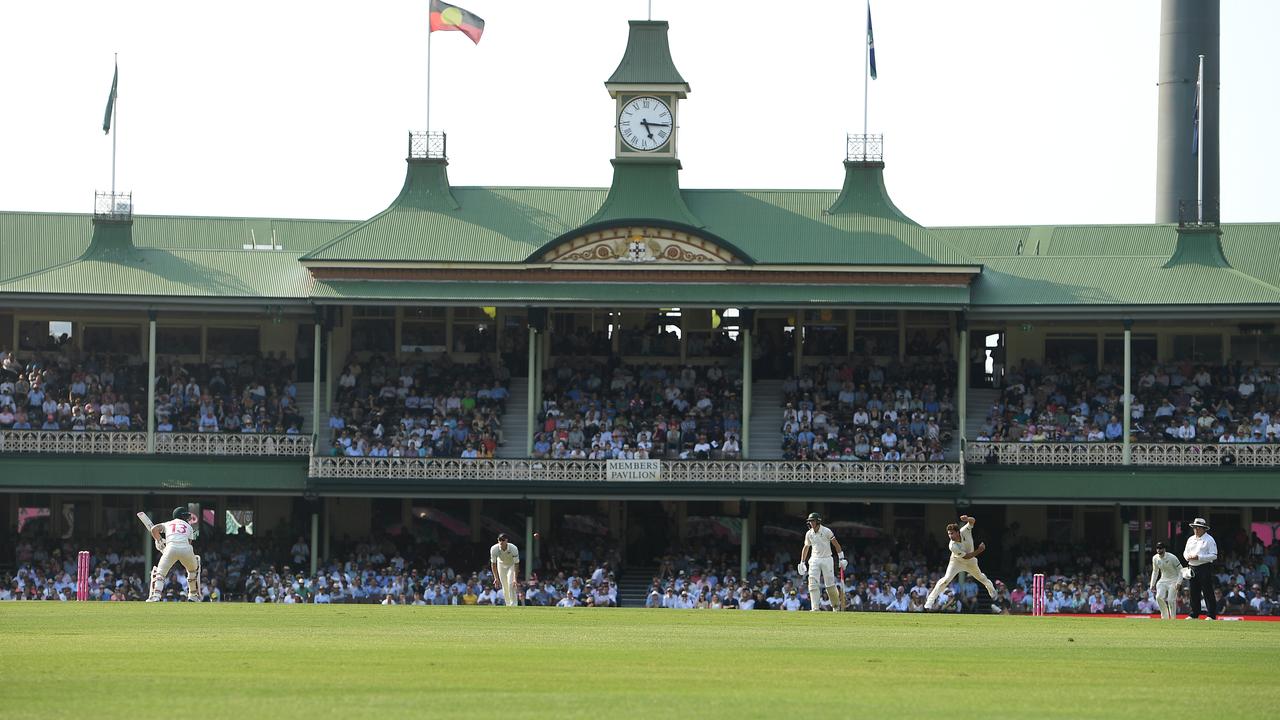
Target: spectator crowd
[[428, 408], [1172, 402], [609, 410], [388, 571], [869, 412]]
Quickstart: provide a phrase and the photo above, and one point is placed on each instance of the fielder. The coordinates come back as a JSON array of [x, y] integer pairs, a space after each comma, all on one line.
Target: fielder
[[504, 560], [821, 573], [176, 547], [964, 558], [1166, 576]]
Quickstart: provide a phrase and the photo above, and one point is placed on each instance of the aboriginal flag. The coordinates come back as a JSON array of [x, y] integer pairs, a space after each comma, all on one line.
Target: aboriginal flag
[[447, 17]]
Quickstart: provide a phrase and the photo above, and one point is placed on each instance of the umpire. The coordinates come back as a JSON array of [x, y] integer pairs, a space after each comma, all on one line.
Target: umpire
[[1200, 553]]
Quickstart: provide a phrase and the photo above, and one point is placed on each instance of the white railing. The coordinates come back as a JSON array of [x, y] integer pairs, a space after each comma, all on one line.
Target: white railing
[[249, 444], [61, 442], [70, 442], [1107, 453], [693, 471]]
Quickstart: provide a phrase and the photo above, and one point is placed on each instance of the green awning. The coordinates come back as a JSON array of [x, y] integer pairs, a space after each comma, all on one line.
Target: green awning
[[642, 294]]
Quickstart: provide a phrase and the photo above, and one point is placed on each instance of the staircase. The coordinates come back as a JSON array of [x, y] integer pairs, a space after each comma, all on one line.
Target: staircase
[[304, 407], [975, 415], [765, 439], [515, 421], [634, 584]]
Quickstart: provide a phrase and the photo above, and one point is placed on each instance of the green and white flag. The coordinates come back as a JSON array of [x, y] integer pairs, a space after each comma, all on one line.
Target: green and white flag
[[111, 102]]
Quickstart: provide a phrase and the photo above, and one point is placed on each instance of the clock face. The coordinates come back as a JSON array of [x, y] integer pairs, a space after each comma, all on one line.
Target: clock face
[[645, 123]]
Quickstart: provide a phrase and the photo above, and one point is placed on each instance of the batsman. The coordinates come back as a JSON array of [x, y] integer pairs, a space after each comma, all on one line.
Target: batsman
[[176, 547], [817, 563]]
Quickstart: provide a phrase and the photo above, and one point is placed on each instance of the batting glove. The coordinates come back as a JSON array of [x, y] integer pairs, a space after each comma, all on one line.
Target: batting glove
[[802, 568], [160, 545]]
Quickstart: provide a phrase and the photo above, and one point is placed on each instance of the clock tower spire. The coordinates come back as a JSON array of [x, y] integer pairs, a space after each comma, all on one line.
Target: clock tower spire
[[647, 89]]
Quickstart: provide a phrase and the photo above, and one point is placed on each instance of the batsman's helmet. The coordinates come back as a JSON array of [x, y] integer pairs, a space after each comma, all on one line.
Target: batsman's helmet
[[181, 513], [814, 516]]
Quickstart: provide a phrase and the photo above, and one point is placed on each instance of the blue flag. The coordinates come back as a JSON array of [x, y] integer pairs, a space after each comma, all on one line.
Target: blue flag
[[871, 44]]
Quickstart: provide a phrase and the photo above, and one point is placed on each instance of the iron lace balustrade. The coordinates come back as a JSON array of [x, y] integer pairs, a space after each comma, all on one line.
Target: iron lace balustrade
[[90, 442], [242, 444], [596, 471], [428, 144], [113, 207], [1108, 453], [864, 148]]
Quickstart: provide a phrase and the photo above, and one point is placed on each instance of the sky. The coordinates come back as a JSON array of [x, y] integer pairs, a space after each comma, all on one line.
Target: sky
[[996, 112]]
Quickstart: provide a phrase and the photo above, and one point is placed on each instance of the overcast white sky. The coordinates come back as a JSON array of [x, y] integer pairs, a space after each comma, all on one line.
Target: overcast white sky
[[994, 112]]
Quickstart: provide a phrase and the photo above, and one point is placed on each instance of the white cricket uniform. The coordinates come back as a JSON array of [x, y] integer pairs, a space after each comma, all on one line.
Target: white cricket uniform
[[1166, 575], [177, 548], [506, 560], [821, 564], [959, 564]]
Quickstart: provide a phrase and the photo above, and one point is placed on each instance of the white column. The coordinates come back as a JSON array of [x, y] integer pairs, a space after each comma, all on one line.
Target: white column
[[151, 385], [315, 391], [1128, 400], [746, 391]]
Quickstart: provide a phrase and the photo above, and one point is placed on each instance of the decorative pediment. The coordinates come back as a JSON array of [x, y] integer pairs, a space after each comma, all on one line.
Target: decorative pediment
[[640, 246]]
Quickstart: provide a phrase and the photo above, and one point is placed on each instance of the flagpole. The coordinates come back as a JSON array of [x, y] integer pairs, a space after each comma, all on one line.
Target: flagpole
[[866, 84], [1200, 144], [115, 127], [428, 72]]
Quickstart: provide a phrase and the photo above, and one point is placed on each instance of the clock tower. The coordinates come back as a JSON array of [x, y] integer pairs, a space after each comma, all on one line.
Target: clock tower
[[647, 90]]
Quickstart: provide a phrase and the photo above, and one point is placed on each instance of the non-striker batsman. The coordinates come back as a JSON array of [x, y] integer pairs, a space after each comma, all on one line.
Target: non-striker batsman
[[816, 562]]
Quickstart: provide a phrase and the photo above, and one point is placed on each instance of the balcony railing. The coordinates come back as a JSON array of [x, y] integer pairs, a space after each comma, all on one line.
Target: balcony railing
[[66, 442], [55, 442], [249, 444], [693, 471], [1150, 454]]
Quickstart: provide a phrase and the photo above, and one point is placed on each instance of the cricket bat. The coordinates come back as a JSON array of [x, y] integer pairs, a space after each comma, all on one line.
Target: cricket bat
[[843, 602], [146, 522]]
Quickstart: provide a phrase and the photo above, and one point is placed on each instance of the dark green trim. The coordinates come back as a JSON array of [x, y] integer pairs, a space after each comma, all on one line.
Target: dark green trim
[[1149, 486], [115, 473], [634, 490]]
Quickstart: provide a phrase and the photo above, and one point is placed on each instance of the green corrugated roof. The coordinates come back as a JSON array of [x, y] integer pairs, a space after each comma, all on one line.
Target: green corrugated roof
[[30, 242], [113, 265], [510, 225], [647, 60], [645, 189], [709, 294], [1057, 280]]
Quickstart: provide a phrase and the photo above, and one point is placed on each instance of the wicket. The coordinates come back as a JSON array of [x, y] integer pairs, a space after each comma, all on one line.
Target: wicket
[[82, 575], [1037, 594]]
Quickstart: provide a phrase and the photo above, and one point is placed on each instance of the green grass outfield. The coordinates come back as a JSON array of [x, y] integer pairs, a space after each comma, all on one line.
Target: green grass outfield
[[108, 660]]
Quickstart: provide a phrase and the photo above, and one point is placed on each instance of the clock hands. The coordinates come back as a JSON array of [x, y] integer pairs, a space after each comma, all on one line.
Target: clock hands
[[647, 125]]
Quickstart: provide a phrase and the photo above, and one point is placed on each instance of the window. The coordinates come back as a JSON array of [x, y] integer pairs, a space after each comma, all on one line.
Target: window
[[6, 331], [423, 330], [177, 340], [33, 519], [1060, 520], [876, 332], [112, 339], [1071, 350], [233, 341], [1143, 349], [373, 329], [1199, 348], [239, 521], [473, 329], [1255, 348], [43, 334]]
